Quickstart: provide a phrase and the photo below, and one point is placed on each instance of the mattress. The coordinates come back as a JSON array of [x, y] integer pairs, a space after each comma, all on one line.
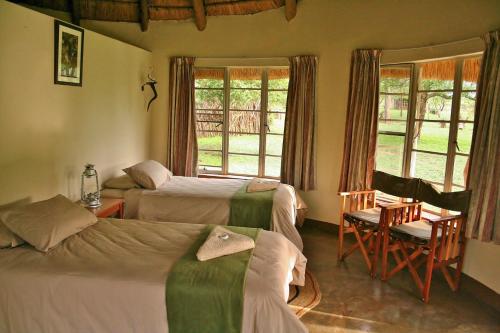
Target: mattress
[[206, 201], [111, 277]]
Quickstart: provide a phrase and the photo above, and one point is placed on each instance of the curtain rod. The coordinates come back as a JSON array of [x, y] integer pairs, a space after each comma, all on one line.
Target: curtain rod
[[473, 39], [241, 58]]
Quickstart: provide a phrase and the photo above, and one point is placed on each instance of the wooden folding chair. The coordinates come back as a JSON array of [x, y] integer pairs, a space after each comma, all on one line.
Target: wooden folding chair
[[359, 209], [437, 243]]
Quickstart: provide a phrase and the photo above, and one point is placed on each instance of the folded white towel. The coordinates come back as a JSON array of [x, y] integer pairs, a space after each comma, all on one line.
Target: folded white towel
[[221, 242], [260, 185]]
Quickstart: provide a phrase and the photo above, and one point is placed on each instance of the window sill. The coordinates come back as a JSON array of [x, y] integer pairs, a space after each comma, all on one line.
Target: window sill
[[216, 176]]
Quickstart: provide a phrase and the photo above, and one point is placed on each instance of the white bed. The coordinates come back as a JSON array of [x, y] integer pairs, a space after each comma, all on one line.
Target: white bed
[[205, 201], [111, 277]]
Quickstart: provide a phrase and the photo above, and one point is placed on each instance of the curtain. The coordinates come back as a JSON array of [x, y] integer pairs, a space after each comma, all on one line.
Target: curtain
[[298, 155], [183, 148], [484, 178], [361, 124]]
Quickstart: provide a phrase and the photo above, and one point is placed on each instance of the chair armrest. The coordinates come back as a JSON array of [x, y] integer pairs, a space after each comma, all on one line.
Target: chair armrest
[[396, 205], [444, 218]]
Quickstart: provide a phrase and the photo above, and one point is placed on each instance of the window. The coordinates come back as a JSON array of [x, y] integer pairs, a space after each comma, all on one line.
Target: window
[[240, 119], [426, 119]]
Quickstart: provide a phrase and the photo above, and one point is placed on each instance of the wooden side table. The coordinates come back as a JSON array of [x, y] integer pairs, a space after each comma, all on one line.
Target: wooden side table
[[109, 208]]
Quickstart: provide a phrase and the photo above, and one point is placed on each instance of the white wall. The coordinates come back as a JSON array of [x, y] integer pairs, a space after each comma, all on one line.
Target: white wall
[[47, 131]]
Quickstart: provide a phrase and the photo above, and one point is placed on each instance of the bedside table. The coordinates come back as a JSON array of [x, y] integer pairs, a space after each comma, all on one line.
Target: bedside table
[[109, 208]]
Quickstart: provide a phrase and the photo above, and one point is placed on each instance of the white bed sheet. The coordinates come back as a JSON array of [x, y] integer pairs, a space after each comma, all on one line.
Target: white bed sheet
[[207, 201], [111, 278]]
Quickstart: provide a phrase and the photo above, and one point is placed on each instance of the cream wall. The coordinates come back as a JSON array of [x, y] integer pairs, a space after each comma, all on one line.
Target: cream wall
[[47, 131], [330, 29]]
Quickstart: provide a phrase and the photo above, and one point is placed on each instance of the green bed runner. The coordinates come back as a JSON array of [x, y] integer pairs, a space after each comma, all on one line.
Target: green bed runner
[[253, 209], [207, 296]]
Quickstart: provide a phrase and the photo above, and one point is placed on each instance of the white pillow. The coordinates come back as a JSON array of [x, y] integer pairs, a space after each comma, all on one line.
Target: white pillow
[[45, 224], [123, 182], [149, 174]]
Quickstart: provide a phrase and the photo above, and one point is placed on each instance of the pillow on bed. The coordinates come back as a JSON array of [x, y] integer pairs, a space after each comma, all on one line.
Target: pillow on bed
[[7, 237], [149, 174], [123, 182], [45, 224]]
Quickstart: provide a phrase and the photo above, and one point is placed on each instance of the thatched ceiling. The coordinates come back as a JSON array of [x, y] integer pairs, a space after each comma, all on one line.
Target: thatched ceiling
[[439, 70], [141, 11]]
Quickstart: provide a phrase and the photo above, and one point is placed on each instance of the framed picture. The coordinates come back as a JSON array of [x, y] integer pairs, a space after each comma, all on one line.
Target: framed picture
[[68, 54]]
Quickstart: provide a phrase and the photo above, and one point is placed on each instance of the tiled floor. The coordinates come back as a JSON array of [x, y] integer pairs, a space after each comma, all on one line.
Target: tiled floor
[[353, 302]]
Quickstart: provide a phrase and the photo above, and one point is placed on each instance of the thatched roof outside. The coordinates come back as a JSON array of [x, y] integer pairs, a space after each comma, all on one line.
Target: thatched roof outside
[[241, 73], [141, 11], [439, 70]]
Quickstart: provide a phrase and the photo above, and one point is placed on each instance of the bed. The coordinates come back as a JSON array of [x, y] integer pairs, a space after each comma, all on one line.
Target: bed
[[111, 276], [205, 201]]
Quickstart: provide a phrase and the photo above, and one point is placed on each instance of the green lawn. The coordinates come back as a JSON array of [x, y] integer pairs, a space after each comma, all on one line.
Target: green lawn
[[433, 137], [242, 164]]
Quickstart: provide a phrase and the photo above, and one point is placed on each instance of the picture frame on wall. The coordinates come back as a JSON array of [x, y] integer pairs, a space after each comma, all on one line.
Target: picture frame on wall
[[68, 54]]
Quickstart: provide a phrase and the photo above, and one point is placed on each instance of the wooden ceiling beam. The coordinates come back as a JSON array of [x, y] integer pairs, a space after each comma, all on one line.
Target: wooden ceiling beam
[[76, 13], [144, 14], [290, 9], [200, 17]]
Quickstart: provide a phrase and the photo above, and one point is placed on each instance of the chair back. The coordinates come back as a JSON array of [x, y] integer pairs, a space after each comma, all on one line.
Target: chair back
[[394, 185], [455, 201]]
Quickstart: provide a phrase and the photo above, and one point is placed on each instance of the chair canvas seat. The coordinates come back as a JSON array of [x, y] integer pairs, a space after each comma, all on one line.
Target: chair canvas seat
[[370, 215], [418, 229]]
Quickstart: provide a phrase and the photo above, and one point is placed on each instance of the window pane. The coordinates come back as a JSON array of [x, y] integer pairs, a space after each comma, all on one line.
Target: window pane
[[244, 121], [209, 99], [245, 99], [274, 144], [244, 143], [464, 137], [209, 120], [459, 170], [243, 164], [393, 107], [208, 126], [437, 75], [209, 77], [395, 79], [278, 78], [245, 77], [210, 158], [275, 123], [428, 166], [470, 73], [392, 126], [389, 156], [467, 105], [211, 141], [434, 106], [277, 101], [431, 136], [273, 166]]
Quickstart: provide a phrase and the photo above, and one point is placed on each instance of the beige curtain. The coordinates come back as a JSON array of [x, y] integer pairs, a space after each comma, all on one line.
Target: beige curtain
[[484, 178], [183, 147], [298, 157], [361, 123]]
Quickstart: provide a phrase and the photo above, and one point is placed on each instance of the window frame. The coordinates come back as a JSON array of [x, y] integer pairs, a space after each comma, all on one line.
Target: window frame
[[454, 121], [225, 132]]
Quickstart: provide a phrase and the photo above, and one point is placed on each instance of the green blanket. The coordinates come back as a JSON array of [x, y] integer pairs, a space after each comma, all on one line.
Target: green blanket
[[207, 296], [253, 209]]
